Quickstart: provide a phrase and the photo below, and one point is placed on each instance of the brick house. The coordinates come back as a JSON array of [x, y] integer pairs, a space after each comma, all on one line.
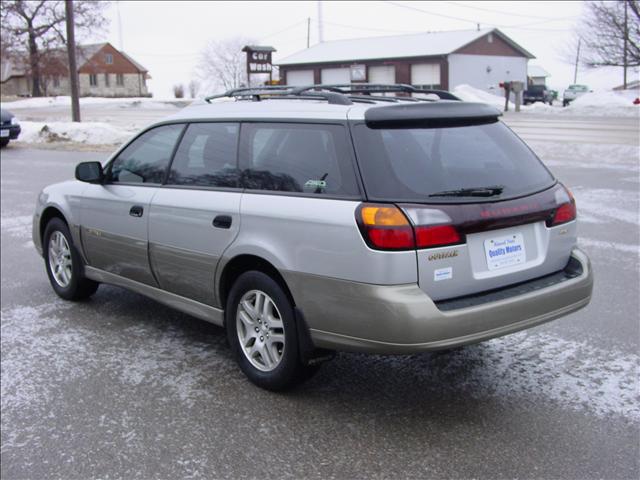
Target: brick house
[[103, 71], [481, 58]]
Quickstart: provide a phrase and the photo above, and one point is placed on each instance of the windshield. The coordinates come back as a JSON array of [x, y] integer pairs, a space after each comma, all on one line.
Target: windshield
[[456, 164]]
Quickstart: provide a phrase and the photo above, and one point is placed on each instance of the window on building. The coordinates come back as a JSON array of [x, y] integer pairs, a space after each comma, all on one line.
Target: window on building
[[120, 79], [56, 81], [145, 160], [490, 38], [108, 59], [207, 156], [106, 80], [93, 80]]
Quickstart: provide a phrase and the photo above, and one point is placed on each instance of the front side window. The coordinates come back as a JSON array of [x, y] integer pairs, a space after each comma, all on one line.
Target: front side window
[[207, 156], [146, 159], [304, 158]]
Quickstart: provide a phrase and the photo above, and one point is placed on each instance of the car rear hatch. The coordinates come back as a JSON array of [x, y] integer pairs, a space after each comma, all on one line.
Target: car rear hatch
[[484, 211]]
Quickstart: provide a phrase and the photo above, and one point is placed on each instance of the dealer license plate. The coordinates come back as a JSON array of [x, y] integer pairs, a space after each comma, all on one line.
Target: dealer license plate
[[505, 251]]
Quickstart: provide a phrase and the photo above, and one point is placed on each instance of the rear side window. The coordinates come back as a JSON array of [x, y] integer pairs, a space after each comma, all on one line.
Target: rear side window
[[415, 163], [145, 160], [303, 158], [207, 156]]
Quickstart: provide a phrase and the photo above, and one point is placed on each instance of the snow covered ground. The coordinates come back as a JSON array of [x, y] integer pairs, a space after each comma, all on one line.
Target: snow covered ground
[[600, 103], [93, 133], [130, 102], [110, 121]]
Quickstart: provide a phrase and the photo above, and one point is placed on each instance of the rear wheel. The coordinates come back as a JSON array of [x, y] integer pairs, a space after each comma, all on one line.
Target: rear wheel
[[4, 142], [262, 333], [63, 263]]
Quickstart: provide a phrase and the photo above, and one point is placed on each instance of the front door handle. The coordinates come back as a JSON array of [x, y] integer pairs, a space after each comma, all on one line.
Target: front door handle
[[222, 221], [136, 211]]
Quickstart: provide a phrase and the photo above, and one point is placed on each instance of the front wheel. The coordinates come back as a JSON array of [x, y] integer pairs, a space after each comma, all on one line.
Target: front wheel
[[262, 333], [63, 263]]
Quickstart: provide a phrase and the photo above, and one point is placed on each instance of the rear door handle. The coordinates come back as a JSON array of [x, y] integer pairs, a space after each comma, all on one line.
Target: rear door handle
[[222, 221], [136, 211]]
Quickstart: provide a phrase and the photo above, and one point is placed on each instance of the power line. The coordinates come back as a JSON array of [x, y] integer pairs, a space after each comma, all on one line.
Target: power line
[[475, 21], [367, 28], [283, 30], [458, 4]]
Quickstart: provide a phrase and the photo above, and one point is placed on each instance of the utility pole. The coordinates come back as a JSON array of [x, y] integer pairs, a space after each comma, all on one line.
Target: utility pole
[[320, 34], [308, 31], [120, 40], [626, 42], [575, 72], [71, 52]]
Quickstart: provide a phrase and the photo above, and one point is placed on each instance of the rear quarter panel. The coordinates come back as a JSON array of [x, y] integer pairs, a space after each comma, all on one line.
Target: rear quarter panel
[[317, 237]]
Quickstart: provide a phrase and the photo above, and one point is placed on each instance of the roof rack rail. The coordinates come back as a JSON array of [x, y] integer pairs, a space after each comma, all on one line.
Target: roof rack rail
[[369, 88], [339, 94], [258, 93]]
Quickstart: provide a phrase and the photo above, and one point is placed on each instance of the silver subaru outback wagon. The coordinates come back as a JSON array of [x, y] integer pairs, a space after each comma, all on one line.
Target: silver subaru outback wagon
[[328, 218]]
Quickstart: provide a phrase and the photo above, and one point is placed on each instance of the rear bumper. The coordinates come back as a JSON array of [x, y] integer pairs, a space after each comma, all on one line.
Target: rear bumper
[[402, 319], [14, 131]]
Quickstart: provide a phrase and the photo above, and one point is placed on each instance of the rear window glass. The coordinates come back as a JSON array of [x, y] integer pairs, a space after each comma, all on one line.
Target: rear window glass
[[303, 158], [413, 164]]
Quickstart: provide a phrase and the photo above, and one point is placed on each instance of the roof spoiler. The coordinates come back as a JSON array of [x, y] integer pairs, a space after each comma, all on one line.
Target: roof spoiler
[[436, 114]]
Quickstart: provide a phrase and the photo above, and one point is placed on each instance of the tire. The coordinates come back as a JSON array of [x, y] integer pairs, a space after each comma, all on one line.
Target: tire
[[565, 103], [69, 282], [4, 142], [266, 361]]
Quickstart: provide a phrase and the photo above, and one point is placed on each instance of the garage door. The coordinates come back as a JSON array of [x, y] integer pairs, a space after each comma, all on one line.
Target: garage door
[[335, 75], [425, 74], [299, 78], [384, 74]]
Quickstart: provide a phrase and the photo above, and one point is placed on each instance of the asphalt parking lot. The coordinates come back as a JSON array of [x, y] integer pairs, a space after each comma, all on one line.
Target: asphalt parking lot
[[122, 387]]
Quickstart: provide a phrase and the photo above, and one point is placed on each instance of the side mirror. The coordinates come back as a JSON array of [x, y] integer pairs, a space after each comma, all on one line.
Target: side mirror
[[90, 172]]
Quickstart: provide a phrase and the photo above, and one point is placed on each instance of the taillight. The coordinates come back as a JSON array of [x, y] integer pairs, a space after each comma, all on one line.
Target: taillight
[[386, 227], [436, 236], [566, 212]]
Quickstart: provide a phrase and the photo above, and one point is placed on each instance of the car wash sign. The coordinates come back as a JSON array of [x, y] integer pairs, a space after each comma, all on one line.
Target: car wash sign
[[258, 59]]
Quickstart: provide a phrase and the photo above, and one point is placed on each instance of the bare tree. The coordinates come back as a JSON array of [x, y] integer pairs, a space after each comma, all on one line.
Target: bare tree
[[178, 90], [223, 64], [194, 86], [35, 28], [610, 33]]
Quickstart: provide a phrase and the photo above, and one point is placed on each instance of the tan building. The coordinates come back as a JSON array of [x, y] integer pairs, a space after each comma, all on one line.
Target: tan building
[[103, 71]]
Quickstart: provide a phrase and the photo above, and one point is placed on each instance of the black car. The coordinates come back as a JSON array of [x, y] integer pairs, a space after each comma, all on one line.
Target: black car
[[537, 93], [9, 127]]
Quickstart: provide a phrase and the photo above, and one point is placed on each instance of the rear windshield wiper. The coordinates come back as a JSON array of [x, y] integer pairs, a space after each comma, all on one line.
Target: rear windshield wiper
[[471, 192]]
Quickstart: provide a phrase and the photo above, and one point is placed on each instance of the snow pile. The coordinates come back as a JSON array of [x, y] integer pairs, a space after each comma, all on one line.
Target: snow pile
[[65, 101], [471, 94], [604, 103], [93, 133], [599, 103], [603, 99]]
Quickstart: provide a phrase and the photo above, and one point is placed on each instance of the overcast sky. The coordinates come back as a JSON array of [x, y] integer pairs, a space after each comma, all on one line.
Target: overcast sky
[[166, 37]]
